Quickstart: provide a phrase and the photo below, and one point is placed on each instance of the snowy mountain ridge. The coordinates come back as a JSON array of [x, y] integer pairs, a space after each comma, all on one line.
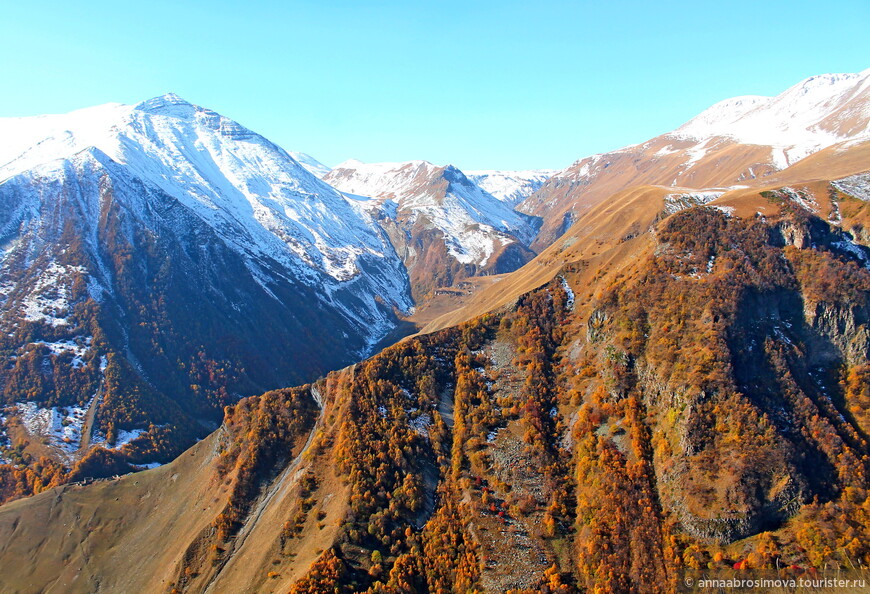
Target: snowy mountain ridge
[[813, 114], [730, 143], [266, 202], [314, 166], [474, 222], [511, 187]]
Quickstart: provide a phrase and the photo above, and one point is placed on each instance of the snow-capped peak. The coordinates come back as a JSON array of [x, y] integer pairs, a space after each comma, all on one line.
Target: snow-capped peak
[[381, 180], [166, 104], [471, 219], [511, 187], [799, 118], [264, 202]]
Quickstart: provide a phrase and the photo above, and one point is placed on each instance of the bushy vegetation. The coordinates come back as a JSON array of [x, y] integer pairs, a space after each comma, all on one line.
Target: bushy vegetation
[[717, 423]]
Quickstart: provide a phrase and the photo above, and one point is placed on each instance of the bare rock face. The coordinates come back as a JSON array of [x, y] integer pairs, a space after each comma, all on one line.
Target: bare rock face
[[844, 327]]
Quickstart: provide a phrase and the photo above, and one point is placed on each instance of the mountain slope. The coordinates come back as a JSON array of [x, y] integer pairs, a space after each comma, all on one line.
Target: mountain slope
[[600, 236], [314, 166], [733, 142], [511, 187], [678, 384], [159, 261], [443, 225], [585, 424]]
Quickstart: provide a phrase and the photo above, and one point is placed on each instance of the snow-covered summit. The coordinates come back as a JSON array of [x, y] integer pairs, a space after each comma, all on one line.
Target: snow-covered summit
[[511, 187], [262, 202], [815, 113], [229, 175], [382, 180], [473, 221]]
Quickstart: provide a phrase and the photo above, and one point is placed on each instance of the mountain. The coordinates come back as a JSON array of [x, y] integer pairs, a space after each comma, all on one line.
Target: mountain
[[731, 143], [511, 187], [690, 397], [313, 166], [444, 226], [160, 261], [677, 388]]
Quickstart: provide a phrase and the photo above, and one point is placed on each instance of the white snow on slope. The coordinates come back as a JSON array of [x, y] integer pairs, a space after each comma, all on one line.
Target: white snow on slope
[[122, 439], [381, 180], [78, 347], [511, 187], [260, 200], [4, 440], [816, 113], [474, 222], [677, 202], [568, 292], [795, 123], [48, 299], [314, 166], [855, 185], [61, 426], [227, 174]]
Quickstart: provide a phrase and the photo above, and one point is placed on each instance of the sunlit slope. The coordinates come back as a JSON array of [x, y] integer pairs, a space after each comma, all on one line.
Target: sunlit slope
[[618, 228], [123, 535], [735, 142]]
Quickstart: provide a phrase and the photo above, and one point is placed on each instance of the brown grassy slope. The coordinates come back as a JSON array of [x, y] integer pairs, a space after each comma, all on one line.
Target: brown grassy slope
[[593, 180], [121, 535], [159, 529]]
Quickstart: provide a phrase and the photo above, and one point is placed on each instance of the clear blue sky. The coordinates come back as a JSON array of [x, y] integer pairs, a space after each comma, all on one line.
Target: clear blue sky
[[484, 84]]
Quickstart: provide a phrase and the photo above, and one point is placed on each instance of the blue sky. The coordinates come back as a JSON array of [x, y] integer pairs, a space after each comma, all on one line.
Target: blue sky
[[478, 84]]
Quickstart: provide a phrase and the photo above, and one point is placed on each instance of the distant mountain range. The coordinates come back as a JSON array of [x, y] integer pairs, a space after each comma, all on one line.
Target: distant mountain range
[[444, 226]]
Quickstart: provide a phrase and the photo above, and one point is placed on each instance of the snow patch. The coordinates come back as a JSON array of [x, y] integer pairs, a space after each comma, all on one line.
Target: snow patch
[[48, 300], [79, 347], [665, 151], [60, 426], [677, 202], [568, 291], [857, 186], [5, 442], [421, 424], [148, 466], [802, 198], [856, 250], [124, 437]]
